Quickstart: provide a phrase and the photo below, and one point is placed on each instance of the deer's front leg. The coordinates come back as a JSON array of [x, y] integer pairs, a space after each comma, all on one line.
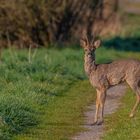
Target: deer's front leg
[[97, 107], [102, 103]]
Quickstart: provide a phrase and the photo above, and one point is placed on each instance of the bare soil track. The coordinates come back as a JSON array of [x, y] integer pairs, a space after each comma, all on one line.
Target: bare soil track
[[112, 103]]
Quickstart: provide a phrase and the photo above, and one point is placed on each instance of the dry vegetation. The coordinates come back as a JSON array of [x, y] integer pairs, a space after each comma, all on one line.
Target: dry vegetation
[[31, 22]]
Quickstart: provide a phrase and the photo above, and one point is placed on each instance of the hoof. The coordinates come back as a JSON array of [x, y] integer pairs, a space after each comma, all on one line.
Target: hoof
[[100, 123], [94, 123]]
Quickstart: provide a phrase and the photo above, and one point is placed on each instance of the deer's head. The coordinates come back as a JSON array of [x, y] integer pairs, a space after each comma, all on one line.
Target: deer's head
[[89, 45]]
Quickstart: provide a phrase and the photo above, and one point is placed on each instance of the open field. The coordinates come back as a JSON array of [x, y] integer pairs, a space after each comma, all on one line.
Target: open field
[[45, 99]]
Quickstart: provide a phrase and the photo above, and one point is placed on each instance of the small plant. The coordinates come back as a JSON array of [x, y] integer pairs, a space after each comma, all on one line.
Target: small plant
[[31, 55]]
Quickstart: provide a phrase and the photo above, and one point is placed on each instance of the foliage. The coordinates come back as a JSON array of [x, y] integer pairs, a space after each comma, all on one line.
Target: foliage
[[27, 23]]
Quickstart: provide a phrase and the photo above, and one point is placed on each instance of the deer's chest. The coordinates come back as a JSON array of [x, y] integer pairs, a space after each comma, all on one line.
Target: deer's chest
[[98, 81]]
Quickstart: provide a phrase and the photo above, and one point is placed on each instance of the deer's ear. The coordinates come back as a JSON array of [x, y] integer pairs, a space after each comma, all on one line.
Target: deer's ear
[[83, 43], [97, 43]]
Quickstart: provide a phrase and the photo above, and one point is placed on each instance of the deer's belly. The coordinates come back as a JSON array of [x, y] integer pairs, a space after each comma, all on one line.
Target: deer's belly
[[105, 81], [115, 79]]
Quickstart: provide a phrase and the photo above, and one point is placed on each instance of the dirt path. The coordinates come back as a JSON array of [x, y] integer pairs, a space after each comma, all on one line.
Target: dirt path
[[112, 103]]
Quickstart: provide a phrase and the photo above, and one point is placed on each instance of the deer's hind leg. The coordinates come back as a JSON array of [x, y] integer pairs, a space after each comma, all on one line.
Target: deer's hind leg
[[136, 88], [135, 106]]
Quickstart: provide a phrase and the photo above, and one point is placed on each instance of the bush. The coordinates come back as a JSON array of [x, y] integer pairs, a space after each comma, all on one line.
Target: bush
[[26, 23]]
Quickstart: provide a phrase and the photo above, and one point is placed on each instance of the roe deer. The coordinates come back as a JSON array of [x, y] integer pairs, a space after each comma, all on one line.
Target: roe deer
[[103, 76]]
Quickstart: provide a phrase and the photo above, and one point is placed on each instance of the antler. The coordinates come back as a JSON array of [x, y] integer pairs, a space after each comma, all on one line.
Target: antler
[[87, 40]]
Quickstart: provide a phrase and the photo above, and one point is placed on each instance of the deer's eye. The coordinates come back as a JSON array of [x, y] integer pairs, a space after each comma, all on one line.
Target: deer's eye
[[93, 49]]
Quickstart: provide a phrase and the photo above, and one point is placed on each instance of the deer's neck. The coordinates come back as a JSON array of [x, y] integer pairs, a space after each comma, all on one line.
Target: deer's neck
[[89, 63]]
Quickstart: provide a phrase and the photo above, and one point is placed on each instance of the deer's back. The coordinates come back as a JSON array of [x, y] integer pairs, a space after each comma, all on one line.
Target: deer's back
[[115, 72]]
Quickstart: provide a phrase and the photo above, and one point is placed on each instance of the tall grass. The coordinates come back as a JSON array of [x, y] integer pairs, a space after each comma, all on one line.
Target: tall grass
[[25, 88]]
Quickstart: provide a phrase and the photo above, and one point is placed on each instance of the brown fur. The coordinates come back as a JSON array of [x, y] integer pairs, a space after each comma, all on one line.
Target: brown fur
[[103, 76]]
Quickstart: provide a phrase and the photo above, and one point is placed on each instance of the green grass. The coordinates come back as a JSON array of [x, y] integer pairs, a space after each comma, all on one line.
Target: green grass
[[26, 88], [45, 99], [63, 116]]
